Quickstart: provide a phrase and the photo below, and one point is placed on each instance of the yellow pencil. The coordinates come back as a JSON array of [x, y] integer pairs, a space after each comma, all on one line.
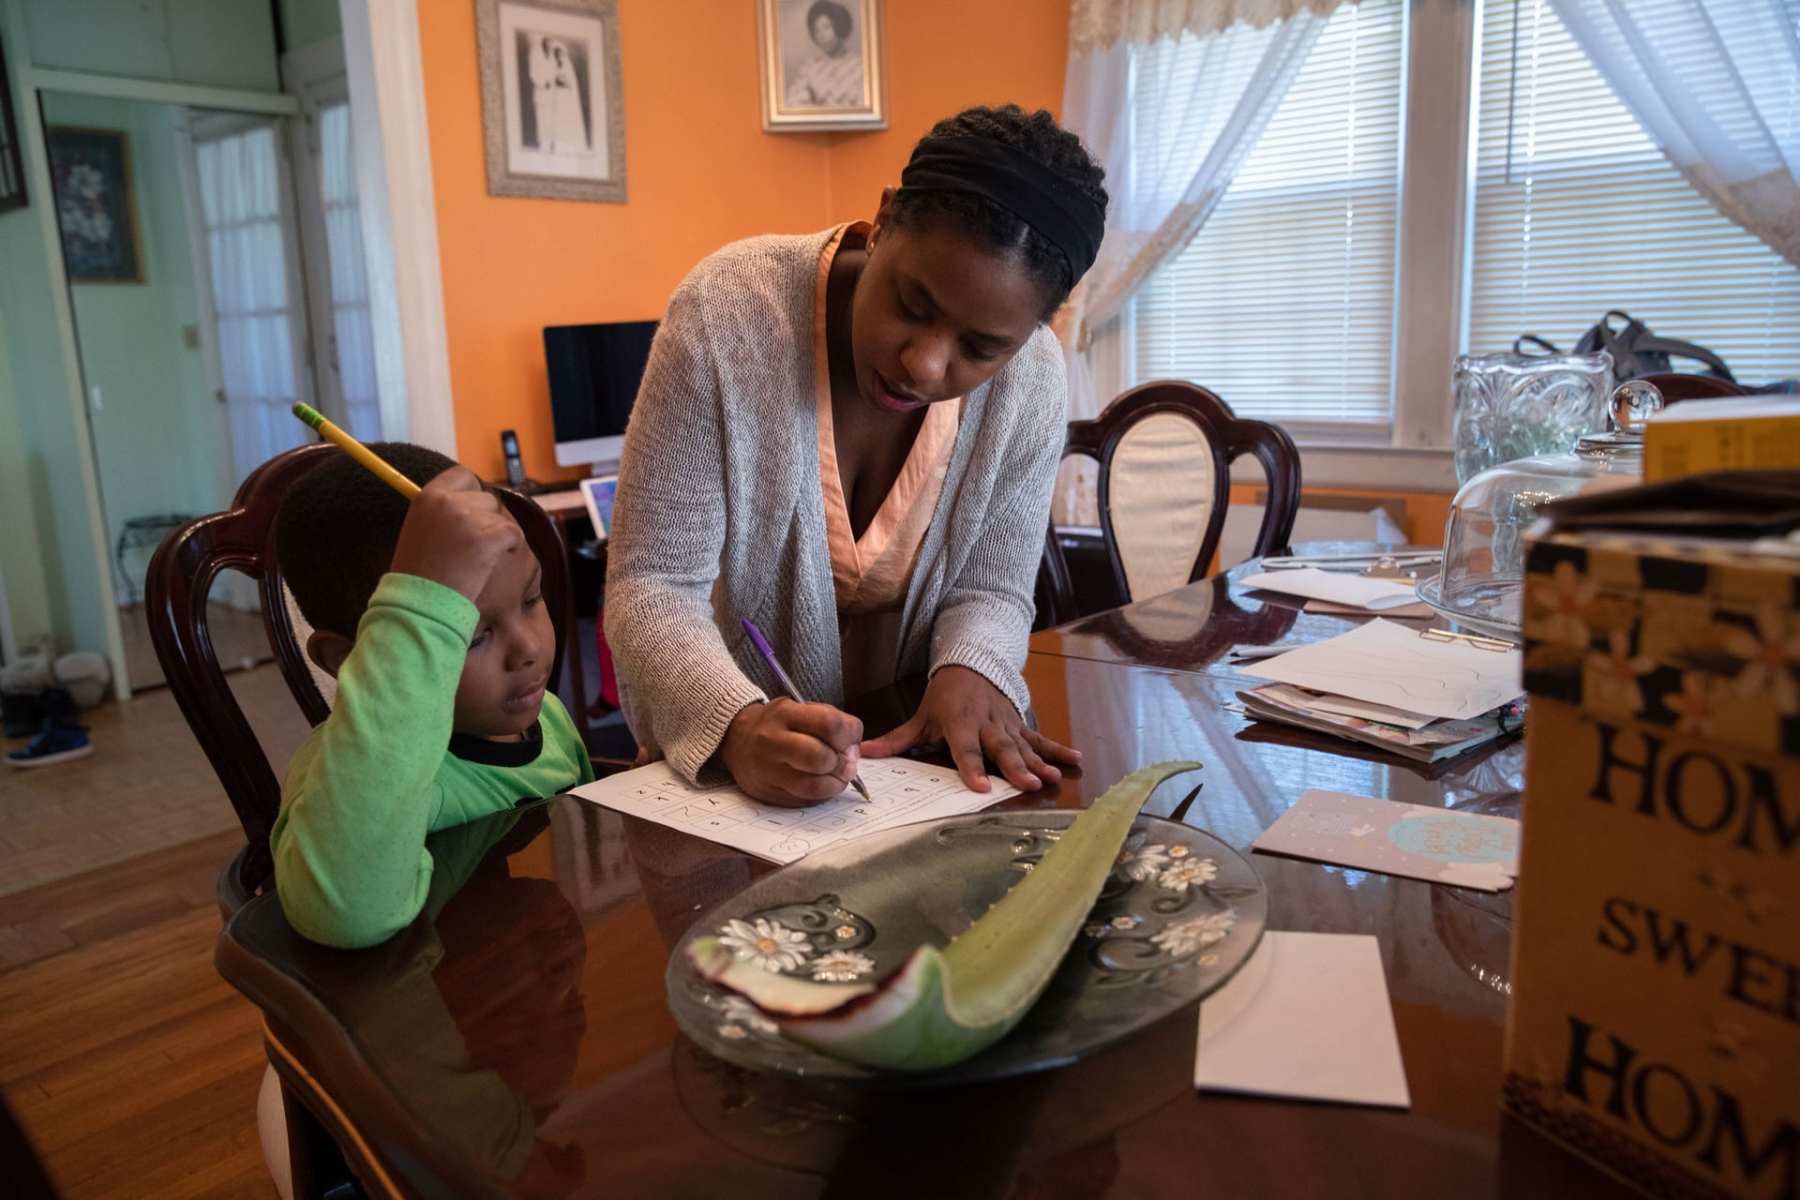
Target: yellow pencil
[[314, 419]]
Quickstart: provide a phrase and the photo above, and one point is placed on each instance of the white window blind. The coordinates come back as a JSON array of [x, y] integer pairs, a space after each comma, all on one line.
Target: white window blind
[[1283, 304], [1576, 212]]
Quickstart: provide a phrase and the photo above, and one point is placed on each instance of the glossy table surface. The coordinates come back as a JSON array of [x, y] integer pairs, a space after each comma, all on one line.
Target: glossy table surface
[[516, 1039]]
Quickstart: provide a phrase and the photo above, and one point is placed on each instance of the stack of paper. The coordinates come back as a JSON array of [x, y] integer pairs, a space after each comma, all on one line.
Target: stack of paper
[[1339, 590], [1422, 697]]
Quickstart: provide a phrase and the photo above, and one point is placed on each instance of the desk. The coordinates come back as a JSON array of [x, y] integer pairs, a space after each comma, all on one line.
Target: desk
[[516, 1039]]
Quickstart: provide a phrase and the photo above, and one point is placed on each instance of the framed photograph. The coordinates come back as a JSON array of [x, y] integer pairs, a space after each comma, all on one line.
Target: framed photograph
[[90, 175], [12, 168], [598, 493], [821, 65], [552, 102]]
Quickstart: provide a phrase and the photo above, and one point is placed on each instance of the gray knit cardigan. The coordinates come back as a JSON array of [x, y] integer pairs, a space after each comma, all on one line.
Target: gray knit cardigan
[[719, 514]]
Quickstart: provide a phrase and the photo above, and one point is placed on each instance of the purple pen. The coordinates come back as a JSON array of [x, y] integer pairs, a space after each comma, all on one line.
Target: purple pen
[[787, 685]]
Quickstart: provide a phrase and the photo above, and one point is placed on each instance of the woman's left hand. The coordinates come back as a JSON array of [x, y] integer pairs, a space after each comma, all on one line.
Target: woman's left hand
[[972, 716]]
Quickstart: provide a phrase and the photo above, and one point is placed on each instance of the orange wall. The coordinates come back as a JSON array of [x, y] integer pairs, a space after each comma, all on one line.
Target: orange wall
[[700, 173], [942, 57]]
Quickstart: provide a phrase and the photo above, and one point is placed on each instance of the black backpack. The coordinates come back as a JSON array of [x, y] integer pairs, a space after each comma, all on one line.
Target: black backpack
[[1635, 351]]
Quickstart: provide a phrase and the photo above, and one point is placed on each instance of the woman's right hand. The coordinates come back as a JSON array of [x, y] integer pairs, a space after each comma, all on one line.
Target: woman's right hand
[[792, 754]]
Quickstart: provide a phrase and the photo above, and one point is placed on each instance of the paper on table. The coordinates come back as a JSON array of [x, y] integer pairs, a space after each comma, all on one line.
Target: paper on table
[[1368, 710], [1339, 587], [1473, 850], [1307, 1017], [1330, 609], [1393, 665], [901, 791]]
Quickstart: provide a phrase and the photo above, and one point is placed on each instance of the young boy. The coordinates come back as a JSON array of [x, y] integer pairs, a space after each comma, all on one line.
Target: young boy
[[431, 617]]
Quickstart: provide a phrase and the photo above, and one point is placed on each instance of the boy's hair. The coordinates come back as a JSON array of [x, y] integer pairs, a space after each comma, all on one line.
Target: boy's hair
[[335, 533]]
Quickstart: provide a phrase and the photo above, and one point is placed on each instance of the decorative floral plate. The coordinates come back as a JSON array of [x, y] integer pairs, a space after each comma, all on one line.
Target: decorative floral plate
[[1180, 914]]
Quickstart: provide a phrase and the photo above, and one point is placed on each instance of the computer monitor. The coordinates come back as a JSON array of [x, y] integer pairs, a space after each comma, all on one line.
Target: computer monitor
[[594, 375]]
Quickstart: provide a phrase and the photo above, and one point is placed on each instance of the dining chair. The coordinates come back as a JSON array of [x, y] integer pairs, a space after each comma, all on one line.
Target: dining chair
[[242, 538], [1676, 387], [1165, 451]]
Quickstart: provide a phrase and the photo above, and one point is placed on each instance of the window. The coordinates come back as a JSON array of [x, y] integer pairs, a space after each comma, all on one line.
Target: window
[[1284, 302], [1576, 211]]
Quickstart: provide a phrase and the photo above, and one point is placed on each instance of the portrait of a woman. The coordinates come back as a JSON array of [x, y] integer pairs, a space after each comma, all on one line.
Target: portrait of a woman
[[829, 73]]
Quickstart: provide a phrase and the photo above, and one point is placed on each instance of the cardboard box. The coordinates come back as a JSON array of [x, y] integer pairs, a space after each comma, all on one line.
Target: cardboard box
[[1747, 432], [1654, 1022]]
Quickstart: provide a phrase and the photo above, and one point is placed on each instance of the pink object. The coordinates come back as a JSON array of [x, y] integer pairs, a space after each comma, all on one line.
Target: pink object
[[609, 679]]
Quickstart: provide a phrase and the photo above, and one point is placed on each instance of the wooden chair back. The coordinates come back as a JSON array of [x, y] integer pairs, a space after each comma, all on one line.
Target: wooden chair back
[[1678, 387], [242, 538], [1179, 440]]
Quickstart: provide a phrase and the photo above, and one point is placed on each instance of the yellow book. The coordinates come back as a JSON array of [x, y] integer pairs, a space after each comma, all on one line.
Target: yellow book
[[1743, 432]]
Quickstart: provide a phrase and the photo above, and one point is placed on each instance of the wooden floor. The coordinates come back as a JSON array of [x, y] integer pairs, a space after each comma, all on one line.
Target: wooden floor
[[132, 1066], [146, 785]]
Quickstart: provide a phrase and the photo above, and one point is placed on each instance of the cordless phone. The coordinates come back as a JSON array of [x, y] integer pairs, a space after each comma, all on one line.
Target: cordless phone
[[515, 466]]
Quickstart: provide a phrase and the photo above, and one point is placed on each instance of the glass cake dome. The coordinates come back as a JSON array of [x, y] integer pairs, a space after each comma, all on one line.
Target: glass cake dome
[[1480, 583]]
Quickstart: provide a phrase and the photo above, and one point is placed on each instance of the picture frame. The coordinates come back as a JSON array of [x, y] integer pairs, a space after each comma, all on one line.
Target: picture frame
[[90, 183], [552, 98], [598, 493], [12, 165], [821, 65]]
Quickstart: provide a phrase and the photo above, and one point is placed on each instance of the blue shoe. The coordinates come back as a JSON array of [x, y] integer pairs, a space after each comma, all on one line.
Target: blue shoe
[[60, 742]]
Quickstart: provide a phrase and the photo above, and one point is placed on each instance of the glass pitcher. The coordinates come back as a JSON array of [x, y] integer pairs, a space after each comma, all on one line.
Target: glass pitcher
[[1518, 405]]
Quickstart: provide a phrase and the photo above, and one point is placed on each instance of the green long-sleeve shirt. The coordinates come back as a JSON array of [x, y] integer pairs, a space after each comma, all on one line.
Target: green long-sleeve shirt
[[387, 768]]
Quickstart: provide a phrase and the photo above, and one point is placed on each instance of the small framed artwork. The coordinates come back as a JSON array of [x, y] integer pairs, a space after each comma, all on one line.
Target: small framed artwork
[[552, 101], [12, 169], [90, 175], [598, 492], [821, 65]]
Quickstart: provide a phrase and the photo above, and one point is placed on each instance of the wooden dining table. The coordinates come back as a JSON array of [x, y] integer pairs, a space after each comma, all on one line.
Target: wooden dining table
[[516, 1039]]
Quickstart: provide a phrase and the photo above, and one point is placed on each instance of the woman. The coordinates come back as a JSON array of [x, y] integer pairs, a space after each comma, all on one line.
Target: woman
[[832, 78], [543, 101], [570, 127], [851, 438]]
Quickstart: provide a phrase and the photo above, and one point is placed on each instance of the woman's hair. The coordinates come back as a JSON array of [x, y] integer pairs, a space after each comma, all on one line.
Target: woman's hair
[[1037, 135], [840, 17]]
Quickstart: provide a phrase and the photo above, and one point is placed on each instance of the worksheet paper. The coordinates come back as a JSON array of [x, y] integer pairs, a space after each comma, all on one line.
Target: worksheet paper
[[1307, 1018], [901, 791], [1361, 592], [1397, 666]]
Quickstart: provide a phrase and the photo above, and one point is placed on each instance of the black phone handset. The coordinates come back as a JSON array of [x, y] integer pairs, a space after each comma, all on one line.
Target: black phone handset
[[515, 466]]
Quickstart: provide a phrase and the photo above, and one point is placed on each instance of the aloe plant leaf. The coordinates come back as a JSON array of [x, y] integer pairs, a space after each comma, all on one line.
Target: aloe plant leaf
[[944, 1005]]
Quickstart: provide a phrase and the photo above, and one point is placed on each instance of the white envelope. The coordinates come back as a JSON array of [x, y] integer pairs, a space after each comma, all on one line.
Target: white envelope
[[1308, 1018]]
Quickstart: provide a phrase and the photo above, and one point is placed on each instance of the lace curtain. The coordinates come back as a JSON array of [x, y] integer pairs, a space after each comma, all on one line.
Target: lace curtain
[[1170, 96], [240, 186], [1097, 24], [353, 335], [1716, 84]]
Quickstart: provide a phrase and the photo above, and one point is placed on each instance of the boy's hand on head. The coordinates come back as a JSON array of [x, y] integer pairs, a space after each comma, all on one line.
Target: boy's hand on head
[[455, 532]]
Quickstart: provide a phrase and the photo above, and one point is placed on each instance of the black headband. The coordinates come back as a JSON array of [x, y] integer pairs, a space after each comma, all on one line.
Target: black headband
[[1068, 219]]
